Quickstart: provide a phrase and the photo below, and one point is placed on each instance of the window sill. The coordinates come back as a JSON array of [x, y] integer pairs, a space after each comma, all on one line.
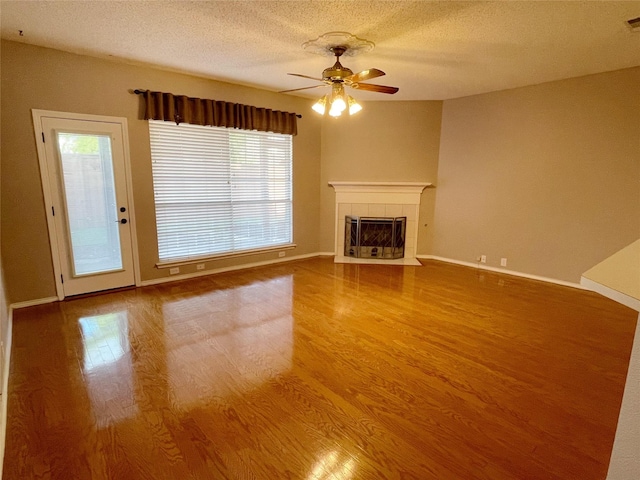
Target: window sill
[[206, 258]]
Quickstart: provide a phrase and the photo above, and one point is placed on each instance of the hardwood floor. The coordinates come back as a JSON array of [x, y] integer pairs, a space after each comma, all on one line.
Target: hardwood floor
[[312, 370]]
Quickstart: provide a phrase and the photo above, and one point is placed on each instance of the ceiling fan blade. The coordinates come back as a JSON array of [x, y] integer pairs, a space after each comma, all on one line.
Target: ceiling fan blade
[[375, 88], [306, 76], [303, 88], [365, 75]]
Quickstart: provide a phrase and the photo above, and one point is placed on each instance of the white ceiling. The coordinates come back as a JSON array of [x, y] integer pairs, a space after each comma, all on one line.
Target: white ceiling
[[431, 50]]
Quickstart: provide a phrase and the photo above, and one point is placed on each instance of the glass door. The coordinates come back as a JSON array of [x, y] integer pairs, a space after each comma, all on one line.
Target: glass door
[[85, 161]]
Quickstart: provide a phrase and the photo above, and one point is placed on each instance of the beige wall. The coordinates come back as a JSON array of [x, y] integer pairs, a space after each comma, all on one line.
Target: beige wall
[[4, 327], [34, 77], [4, 323], [395, 141], [4, 303], [547, 176]]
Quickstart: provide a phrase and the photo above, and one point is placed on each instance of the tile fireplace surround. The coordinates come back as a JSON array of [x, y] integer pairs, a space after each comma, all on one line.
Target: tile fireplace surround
[[379, 199]]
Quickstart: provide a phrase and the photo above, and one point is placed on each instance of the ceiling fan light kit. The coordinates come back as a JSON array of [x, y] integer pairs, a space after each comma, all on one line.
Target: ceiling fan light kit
[[337, 76], [337, 104], [321, 105], [354, 107]]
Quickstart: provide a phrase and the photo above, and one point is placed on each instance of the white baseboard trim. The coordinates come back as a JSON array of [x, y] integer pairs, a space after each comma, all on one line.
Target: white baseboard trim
[[33, 303], [187, 276], [503, 270], [4, 398], [615, 295]]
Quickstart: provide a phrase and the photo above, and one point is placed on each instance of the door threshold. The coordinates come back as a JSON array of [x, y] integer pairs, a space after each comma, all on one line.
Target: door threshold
[[99, 292]]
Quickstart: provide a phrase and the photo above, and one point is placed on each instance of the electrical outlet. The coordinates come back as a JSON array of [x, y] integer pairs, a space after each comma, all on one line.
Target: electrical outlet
[[483, 259], [200, 266], [174, 270], [503, 262], [281, 254]]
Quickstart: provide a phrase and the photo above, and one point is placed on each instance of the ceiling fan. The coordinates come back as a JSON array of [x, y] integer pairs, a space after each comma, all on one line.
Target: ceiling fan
[[338, 77]]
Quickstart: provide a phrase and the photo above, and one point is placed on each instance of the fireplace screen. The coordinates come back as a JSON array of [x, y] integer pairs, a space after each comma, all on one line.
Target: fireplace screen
[[373, 237]]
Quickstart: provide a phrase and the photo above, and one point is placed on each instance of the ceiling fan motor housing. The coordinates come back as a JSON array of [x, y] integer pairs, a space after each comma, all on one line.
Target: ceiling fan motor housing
[[337, 72]]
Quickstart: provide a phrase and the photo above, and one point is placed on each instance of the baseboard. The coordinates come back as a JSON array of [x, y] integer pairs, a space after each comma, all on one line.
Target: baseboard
[[4, 398], [33, 303], [504, 270], [187, 276], [615, 295]]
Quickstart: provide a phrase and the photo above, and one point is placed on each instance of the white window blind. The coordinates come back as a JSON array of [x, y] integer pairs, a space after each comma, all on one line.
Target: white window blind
[[219, 190]]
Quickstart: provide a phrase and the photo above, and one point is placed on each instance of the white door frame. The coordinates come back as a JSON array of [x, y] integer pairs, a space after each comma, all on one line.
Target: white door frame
[[48, 194]]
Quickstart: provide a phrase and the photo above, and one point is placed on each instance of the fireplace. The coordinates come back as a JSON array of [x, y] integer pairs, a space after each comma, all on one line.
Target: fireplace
[[378, 200], [374, 237]]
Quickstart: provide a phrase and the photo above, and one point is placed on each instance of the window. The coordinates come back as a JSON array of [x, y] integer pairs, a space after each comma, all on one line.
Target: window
[[219, 190]]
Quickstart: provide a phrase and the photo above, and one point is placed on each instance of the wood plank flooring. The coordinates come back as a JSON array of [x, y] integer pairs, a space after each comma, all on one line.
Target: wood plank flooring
[[312, 370]]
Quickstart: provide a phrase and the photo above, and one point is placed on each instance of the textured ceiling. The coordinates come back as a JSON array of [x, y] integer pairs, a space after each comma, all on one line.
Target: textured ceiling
[[431, 50]]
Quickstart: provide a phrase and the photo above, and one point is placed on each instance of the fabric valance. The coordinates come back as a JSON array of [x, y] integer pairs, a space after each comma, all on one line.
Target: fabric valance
[[216, 113]]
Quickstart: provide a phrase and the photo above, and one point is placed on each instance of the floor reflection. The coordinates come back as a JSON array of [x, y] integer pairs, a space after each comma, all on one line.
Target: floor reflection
[[333, 466], [105, 339], [228, 341], [107, 367]]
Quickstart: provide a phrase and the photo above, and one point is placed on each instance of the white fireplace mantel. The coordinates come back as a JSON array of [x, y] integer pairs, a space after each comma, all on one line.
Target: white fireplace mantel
[[378, 185], [404, 193], [389, 199]]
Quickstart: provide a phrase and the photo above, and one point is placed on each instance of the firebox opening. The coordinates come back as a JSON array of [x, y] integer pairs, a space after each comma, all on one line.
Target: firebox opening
[[374, 237]]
